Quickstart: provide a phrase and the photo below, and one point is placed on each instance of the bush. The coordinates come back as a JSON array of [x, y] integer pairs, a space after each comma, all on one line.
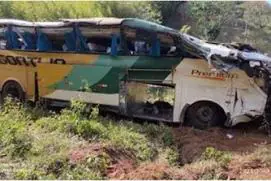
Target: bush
[[19, 145], [81, 172], [48, 124], [158, 134], [222, 157], [14, 136], [91, 129], [57, 165], [98, 163], [172, 155], [131, 140], [28, 174]]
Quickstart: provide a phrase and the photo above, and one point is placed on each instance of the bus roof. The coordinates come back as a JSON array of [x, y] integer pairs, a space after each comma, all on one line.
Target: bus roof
[[50, 24], [130, 22], [15, 22], [96, 21]]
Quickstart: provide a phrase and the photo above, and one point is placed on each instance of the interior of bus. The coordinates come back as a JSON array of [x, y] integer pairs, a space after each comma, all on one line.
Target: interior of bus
[[87, 37]]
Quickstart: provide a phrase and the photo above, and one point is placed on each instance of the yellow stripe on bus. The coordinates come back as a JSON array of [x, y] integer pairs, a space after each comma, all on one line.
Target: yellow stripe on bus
[[50, 74], [70, 58]]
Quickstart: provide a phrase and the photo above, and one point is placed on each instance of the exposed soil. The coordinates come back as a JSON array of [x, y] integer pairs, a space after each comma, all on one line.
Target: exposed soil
[[191, 143], [121, 162], [242, 139]]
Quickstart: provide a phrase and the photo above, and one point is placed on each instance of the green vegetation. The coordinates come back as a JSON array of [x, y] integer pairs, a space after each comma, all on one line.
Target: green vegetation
[[221, 157], [41, 146], [77, 145]]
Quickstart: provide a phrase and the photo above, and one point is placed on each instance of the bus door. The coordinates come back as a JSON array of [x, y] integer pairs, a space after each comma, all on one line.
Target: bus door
[[147, 97]]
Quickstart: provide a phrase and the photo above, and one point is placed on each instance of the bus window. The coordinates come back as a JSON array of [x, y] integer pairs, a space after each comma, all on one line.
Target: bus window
[[98, 40], [19, 37], [98, 44], [138, 42], [168, 46], [142, 42], [12, 38], [3, 41], [56, 39], [26, 37]]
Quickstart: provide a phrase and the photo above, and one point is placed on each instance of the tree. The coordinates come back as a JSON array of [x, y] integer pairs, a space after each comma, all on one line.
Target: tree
[[209, 17], [47, 10], [257, 17], [139, 9], [172, 13]]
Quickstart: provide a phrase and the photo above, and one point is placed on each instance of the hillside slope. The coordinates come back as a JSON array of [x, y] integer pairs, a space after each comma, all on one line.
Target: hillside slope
[[36, 144]]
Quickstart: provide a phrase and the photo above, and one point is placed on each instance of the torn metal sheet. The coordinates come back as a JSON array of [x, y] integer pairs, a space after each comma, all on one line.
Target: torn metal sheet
[[226, 56], [223, 56]]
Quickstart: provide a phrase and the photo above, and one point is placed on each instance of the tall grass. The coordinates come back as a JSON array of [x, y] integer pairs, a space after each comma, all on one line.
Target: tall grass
[[42, 142]]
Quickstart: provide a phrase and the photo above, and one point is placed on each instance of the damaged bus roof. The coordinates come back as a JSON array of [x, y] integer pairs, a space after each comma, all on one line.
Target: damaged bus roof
[[15, 22], [223, 56], [130, 22]]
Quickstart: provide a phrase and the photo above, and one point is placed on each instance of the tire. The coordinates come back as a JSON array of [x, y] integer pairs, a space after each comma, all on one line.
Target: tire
[[203, 115], [14, 90]]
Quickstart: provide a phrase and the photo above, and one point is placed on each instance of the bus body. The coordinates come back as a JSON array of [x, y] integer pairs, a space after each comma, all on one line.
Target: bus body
[[120, 77]]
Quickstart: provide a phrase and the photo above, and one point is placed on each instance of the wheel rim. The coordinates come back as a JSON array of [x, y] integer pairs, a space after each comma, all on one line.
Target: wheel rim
[[12, 92], [205, 114]]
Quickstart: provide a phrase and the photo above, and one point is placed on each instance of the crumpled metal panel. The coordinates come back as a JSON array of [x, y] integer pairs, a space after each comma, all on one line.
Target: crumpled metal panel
[[226, 56]]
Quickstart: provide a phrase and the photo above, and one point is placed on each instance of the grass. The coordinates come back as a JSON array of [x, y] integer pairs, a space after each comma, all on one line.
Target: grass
[[36, 144], [43, 141]]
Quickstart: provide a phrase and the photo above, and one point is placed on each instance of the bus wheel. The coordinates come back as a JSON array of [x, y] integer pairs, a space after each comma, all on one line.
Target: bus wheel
[[14, 90], [203, 115]]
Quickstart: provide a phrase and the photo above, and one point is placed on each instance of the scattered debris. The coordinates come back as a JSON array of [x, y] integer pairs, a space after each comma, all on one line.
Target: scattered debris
[[230, 136]]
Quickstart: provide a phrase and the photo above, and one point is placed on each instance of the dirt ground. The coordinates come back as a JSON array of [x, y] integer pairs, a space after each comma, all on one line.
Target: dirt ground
[[243, 139], [191, 143]]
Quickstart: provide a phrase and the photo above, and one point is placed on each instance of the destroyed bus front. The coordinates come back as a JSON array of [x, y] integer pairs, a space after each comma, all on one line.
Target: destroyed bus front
[[234, 76]]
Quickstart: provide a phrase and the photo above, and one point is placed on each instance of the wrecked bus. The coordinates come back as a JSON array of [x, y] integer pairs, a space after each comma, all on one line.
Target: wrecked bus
[[130, 66]]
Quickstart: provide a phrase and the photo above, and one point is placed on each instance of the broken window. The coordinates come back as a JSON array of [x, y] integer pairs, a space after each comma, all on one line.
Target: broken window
[[55, 39], [150, 101], [25, 37], [99, 40], [142, 42]]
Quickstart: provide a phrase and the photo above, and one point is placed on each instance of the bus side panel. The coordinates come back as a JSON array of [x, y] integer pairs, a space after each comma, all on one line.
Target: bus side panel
[[66, 82], [49, 75], [235, 92], [30, 82], [13, 72]]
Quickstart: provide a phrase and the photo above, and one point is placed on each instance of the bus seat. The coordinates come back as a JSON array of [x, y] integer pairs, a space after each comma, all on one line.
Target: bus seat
[[70, 41], [28, 38], [82, 45], [12, 39], [43, 43], [114, 44], [155, 48]]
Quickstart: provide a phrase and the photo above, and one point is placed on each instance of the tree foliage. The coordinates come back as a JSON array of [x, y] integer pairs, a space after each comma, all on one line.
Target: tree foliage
[[138, 9], [47, 10], [211, 16], [257, 17], [53, 10]]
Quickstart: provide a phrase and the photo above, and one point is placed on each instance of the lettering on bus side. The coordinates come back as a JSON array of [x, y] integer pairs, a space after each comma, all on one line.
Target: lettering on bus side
[[213, 75], [27, 61]]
